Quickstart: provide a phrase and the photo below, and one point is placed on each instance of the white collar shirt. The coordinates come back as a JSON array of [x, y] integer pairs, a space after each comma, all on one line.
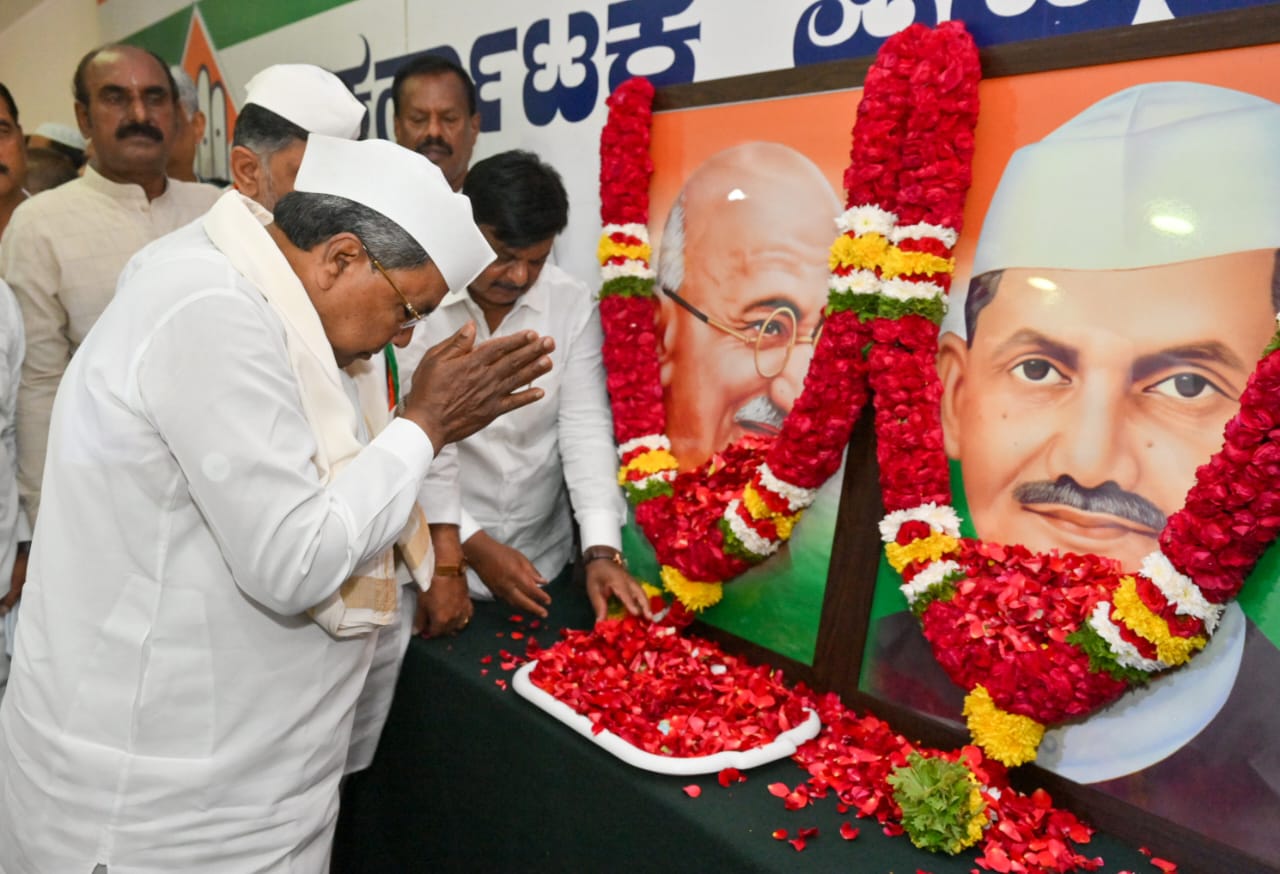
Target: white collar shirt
[[518, 475]]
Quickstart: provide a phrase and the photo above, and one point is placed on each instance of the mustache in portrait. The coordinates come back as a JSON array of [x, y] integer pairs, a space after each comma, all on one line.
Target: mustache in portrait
[[1108, 499], [139, 128]]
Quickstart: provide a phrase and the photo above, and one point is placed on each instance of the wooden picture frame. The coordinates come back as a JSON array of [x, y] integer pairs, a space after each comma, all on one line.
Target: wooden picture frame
[[856, 552]]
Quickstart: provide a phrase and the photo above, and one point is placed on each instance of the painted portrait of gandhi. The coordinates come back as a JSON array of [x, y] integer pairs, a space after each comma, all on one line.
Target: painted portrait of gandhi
[[742, 267]]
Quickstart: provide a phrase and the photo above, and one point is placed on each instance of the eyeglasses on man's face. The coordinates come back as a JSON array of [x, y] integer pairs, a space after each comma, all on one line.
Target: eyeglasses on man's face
[[411, 316], [771, 340]]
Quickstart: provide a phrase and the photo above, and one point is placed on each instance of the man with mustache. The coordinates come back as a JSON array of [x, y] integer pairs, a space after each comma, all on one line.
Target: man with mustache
[[518, 477], [1125, 285], [13, 158], [434, 103], [64, 250], [743, 271]]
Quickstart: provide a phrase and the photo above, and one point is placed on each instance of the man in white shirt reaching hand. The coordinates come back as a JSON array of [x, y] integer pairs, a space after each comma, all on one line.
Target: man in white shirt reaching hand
[[521, 477]]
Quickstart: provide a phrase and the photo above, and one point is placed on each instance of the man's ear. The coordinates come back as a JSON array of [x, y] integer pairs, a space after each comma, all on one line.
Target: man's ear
[[666, 339], [82, 120], [247, 172], [953, 358], [338, 254]]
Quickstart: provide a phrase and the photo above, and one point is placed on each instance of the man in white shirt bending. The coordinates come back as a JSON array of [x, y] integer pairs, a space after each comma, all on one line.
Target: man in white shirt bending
[[194, 642]]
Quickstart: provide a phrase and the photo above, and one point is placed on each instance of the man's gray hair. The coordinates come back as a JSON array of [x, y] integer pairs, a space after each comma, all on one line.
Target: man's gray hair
[[186, 91], [309, 219], [671, 252]]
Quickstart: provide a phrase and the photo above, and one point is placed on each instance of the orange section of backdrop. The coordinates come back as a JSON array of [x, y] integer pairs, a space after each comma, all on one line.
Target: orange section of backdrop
[[1016, 110]]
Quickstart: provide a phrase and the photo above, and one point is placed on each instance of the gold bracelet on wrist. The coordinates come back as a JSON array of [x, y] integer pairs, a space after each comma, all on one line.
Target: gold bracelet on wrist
[[452, 570]]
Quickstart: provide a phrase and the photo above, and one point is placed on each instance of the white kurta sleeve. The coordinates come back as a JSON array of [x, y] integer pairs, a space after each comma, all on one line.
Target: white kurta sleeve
[[214, 380], [586, 439]]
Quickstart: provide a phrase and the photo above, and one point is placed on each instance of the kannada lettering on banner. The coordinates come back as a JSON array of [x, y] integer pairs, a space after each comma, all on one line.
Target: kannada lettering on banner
[[565, 73], [833, 29]]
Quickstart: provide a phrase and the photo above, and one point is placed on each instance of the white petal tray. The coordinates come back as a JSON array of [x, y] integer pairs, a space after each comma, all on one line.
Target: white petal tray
[[784, 745]]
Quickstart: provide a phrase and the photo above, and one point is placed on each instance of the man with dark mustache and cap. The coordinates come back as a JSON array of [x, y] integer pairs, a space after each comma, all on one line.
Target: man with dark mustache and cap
[[434, 103], [64, 249], [13, 158]]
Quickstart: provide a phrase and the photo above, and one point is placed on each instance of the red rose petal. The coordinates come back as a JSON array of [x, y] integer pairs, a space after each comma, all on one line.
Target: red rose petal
[[847, 831], [798, 843], [729, 776], [1164, 865], [811, 832], [780, 834], [779, 789], [693, 790]]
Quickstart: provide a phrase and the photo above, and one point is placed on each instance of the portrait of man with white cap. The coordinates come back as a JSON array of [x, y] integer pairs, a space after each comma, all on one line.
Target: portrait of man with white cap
[[1123, 289], [182, 693]]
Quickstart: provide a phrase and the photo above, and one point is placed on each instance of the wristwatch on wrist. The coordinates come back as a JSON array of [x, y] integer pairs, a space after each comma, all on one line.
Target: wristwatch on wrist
[[603, 553], [452, 570]]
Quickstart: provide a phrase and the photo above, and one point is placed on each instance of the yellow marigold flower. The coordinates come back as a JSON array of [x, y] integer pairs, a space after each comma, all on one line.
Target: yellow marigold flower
[[784, 524], [650, 462], [930, 548], [1137, 616], [1008, 738], [865, 252], [978, 813], [899, 263], [649, 589], [694, 595], [754, 503], [609, 249]]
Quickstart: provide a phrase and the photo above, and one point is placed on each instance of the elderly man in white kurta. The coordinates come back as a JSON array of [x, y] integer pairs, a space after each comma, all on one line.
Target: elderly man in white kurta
[[176, 703]]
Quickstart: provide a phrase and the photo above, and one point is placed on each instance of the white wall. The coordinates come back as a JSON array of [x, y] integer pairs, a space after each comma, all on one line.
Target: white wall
[[39, 50]]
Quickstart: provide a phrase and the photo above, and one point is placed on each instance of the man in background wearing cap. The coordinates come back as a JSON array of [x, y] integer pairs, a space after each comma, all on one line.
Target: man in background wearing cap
[[61, 138], [434, 104], [1125, 285], [284, 105], [190, 658], [13, 159], [518, 476], [63, 250]]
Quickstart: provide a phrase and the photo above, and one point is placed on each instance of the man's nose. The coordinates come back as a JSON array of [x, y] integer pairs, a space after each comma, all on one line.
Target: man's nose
[[787, 385], [435, 128], [1094, 440], [403, 337], [518, 273]]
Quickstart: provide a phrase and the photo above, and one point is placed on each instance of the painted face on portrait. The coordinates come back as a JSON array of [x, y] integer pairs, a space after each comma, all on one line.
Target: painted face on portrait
[[436, 121], [737, 336], [1087, 399]]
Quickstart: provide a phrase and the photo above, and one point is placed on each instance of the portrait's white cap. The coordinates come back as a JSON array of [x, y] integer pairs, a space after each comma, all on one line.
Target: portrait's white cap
[[1155, 174], [61, 133], [405, 187], [309, 96]]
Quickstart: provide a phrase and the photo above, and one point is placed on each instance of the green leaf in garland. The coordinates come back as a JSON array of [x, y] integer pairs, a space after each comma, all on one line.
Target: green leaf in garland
[[627, 286], [940, 812], [637, 495], [734, 546], [1101, 659]]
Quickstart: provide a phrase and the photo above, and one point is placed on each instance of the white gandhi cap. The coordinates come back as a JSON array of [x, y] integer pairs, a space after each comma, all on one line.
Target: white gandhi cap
[[311, 97], [405, 187], [1155, 174]]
